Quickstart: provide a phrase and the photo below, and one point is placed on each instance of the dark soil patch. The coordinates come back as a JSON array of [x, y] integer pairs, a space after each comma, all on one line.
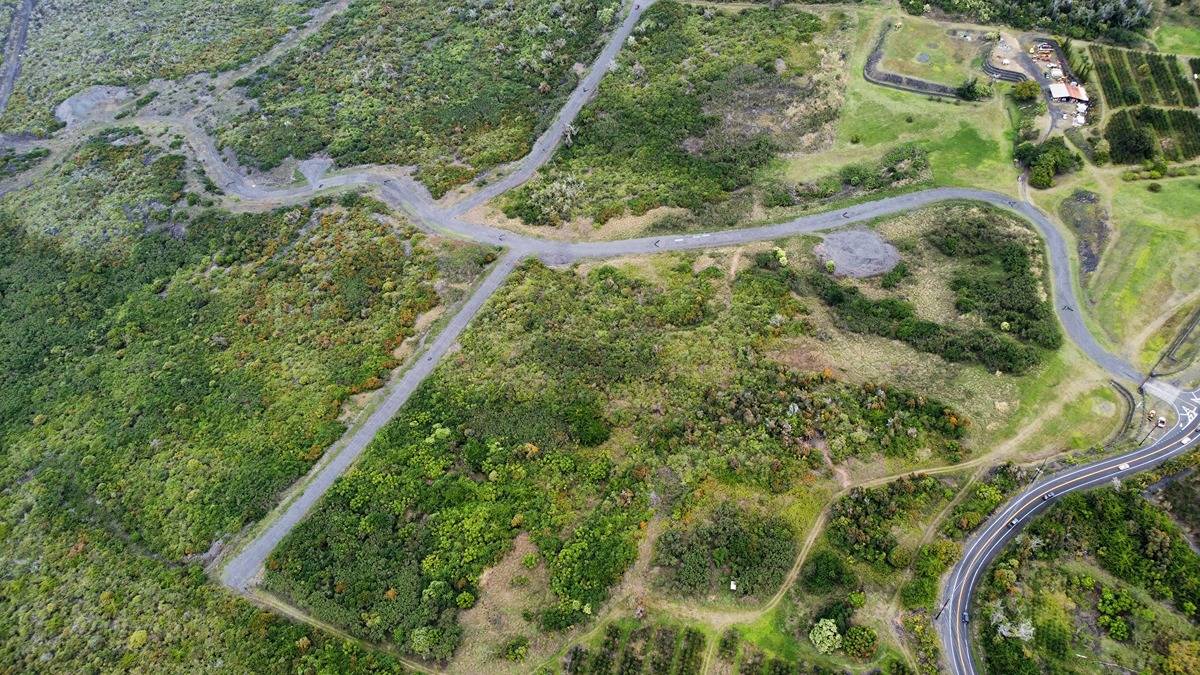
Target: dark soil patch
[[1088, 219]]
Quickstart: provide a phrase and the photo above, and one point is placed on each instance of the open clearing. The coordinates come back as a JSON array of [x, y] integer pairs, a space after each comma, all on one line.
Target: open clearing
[[931, 51]]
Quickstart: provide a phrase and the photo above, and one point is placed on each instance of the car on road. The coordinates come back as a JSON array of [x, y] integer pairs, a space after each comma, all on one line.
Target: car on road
[[1122, 467], [1013, 523], [1162, 422], [966, 617], [1046, 497]]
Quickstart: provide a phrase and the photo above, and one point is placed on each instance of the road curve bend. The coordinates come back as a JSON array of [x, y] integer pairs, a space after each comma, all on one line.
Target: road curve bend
[[1008, 522]]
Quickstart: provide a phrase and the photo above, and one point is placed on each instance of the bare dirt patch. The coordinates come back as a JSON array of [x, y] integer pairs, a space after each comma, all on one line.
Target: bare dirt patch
[[505, 591], [1088, 219], [858, 253], [90, 102]]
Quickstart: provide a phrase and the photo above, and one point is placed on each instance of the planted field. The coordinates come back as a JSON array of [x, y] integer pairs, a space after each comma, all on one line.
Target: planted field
[[1139, 133], [699, 103], [632, 648], [77, 43], [454, 88], [1133, 77]]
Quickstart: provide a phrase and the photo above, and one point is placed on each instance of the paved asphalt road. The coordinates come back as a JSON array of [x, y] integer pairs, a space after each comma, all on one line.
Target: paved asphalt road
[[18, 30], [1183, 436], [403, 193], [241, 571]]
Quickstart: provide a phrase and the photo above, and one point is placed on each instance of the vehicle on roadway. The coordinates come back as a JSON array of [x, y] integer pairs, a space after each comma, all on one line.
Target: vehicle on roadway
[[1046, 497], [1122, 467], [1013, 523], [966, 617], [1162, 422]]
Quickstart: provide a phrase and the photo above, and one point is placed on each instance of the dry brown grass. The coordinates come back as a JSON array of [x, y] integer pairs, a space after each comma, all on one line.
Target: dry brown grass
[[496, 616]]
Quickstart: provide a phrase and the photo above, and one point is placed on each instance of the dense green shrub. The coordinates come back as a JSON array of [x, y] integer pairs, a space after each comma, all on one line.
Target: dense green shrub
[[825, 571], [164, 374], [452, 87], [1047, 160], [903, 165], [1086, 19], [1130, 142], [1134, 542], [130, 42], [658, 131], [860, 523], [13, 162], [753, 549], [997, 284]]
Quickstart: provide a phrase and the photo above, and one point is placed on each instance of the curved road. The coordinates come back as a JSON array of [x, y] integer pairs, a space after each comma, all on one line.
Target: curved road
[[1006, 524], [403, 193]]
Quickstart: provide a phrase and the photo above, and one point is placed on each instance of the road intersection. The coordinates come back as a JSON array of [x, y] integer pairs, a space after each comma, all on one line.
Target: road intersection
[[400, 191]]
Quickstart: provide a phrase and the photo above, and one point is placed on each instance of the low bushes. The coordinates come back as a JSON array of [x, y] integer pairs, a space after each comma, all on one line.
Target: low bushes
[[997, 284], [750, 548]]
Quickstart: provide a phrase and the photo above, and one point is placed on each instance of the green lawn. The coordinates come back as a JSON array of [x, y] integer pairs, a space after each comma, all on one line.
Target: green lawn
[[926, 50], [968, 142], [1177, 37], [1143, 270]]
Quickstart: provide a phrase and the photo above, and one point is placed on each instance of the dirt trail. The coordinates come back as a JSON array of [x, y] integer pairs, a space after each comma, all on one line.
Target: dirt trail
[[1142, 336]]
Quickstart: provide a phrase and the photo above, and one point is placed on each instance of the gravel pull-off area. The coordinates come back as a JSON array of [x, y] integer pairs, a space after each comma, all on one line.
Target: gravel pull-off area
[[314, 169], [858, 253], [86, 103]]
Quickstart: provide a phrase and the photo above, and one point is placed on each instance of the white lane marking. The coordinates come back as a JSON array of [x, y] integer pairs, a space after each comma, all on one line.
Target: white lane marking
[[1147, 458]]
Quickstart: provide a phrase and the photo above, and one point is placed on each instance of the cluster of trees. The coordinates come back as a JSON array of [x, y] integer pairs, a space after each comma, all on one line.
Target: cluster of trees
[[159, 387], [752, 549], [970, 513], [972, 89], [478, 81], [1139, 134], [902, 165], [827, 574], [1119, 20], [1128, 538], [651, 137], [860, 523], [1047, 160]]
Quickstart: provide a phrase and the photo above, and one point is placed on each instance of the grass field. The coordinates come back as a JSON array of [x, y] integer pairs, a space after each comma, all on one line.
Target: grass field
[[1144, 271], [969, 144], [926, 50], [1142, 274], [1178, 34]]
